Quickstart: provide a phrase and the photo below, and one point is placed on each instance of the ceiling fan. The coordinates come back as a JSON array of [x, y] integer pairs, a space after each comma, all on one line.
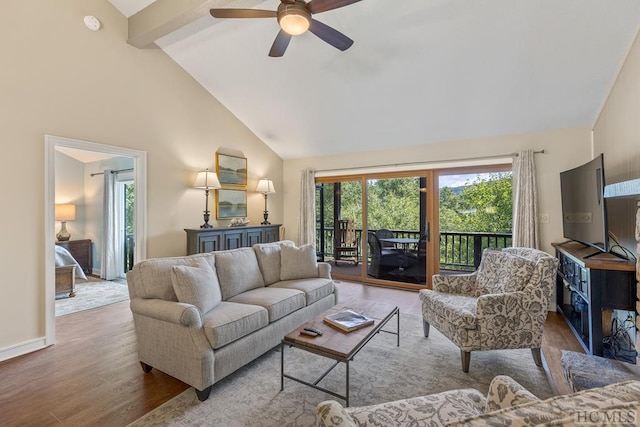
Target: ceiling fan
[[294, 17]]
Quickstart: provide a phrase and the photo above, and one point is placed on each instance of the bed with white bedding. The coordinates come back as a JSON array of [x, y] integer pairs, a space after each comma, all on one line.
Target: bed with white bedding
[[67, 269], [64, 258]]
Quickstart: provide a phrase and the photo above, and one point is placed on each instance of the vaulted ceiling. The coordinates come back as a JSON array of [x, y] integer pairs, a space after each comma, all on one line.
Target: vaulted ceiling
[[420, 71]]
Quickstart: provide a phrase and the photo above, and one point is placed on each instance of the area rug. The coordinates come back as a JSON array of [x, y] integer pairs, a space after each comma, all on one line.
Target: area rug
[[381, 372], [93, 293]]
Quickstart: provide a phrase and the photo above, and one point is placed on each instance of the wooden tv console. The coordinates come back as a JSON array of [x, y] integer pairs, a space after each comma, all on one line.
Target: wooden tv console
[[589, 285]]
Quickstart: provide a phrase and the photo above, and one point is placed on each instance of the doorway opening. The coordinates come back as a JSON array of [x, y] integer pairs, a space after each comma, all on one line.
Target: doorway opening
[[78, 173]]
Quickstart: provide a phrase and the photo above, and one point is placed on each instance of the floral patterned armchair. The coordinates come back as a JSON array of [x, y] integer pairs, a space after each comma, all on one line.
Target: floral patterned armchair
[[502, 305]]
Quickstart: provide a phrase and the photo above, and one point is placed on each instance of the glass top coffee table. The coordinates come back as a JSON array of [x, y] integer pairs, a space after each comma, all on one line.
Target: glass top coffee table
[[337, 345]]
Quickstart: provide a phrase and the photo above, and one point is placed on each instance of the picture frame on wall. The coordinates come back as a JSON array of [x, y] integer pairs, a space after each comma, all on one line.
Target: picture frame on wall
[[231, 203], [231, 170]]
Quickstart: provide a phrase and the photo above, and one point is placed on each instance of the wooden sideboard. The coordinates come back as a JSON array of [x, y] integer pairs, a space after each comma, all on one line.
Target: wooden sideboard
[[201, 240], [589, 284], [82, 251]]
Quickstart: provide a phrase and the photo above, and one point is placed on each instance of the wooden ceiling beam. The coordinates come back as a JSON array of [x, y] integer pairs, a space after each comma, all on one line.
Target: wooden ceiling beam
[[163, 17]]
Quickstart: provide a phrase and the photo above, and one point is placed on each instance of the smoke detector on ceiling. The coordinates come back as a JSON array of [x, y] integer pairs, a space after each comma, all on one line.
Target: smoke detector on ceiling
[[92, 23]]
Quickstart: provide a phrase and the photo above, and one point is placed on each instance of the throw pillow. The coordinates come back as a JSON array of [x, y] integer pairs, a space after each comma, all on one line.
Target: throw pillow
[[298, 263], [501, 272], [238, 271], [196, 284], [268, 255]]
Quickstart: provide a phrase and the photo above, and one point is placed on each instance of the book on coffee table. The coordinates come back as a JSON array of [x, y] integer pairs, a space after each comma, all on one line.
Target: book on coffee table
[[347, 320]]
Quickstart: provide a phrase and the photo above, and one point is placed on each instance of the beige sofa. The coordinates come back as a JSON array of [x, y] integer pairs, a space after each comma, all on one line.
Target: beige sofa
[[506, 404], [199, 318]]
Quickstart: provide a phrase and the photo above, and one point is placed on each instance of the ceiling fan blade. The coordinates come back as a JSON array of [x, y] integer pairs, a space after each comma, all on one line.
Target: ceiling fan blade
[[330, 35], [317, 6], [243, 13], [280, 44]]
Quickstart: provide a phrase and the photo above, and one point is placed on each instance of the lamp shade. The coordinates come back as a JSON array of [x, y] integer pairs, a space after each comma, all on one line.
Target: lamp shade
[[265, 186], [206, 180], [65, 212]]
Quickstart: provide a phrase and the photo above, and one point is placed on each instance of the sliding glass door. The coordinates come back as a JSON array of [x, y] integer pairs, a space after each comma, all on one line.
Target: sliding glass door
[[339, 226], [375, 228], [398, 227], [475, 212]]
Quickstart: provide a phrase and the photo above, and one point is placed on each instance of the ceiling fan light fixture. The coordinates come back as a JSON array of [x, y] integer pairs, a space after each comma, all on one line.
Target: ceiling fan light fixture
[[294, 19]]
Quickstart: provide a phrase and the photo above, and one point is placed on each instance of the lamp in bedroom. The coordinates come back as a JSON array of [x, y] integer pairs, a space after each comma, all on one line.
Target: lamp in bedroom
[[64, 213], [265, 186], [207, 181]]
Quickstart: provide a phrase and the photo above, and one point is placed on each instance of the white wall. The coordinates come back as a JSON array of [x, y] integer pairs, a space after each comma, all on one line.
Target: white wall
[[564, 149], [59, 78], [69, 189], [617, 135]]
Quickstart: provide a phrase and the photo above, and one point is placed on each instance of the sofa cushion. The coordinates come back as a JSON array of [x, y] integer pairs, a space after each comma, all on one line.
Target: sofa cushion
[[298, 263], [238, 271], [196, 284], [457, 310], [435, 409], [505, 392], [501, 272], [560, 407], [625, 414], [155, 275], [277, 302], [230, 321], [314, 289], [268, 255]]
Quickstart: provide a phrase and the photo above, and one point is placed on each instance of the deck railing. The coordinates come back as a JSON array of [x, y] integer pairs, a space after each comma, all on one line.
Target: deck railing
[[129, 244], [461, 251]]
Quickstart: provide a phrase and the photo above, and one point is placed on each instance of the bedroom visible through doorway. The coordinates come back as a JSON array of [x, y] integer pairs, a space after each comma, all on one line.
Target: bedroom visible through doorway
[[78, 173]]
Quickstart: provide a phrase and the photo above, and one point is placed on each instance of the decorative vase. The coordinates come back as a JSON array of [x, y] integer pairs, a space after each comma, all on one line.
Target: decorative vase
[[63, 235]]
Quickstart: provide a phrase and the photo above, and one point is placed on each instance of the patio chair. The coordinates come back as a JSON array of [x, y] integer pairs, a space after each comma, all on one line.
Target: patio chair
[[502, 305], [418, 261], [383, 260], [346, 242], [383, 233]]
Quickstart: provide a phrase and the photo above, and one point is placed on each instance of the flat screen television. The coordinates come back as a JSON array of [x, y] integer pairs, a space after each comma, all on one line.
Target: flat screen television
[[584, 208]]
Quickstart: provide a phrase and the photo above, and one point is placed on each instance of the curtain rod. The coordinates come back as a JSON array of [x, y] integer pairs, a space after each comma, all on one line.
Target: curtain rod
[[498, 156], [116, 172]]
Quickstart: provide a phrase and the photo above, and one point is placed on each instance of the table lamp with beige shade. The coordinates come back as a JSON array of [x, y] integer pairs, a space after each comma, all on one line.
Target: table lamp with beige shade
[[64, 213]]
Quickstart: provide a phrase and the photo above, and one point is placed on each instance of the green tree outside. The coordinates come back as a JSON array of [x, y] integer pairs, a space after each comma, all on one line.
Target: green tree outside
[[481, 205]]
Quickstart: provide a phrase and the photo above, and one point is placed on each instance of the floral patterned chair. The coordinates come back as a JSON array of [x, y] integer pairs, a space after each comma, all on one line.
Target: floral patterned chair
[[502, 305], [506, 404]]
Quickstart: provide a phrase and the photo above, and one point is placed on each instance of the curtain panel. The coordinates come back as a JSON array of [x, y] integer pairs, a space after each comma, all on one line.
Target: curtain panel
[[525, 201], [109, 267], [307, 217]]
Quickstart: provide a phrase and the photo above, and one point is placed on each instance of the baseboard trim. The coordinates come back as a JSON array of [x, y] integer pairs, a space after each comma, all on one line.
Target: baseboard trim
[[23, 348]]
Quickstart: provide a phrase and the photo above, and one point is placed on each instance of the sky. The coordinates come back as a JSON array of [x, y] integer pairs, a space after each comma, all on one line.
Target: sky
[[459, 180]]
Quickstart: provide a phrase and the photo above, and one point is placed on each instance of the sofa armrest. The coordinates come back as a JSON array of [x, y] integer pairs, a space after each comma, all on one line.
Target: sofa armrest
[[168, 311], [333, 414], [505, 392], [462, 284], [324, 270]]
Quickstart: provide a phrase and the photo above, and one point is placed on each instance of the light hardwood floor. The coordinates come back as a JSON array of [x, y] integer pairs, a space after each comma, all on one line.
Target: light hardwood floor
[[92, 375]]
